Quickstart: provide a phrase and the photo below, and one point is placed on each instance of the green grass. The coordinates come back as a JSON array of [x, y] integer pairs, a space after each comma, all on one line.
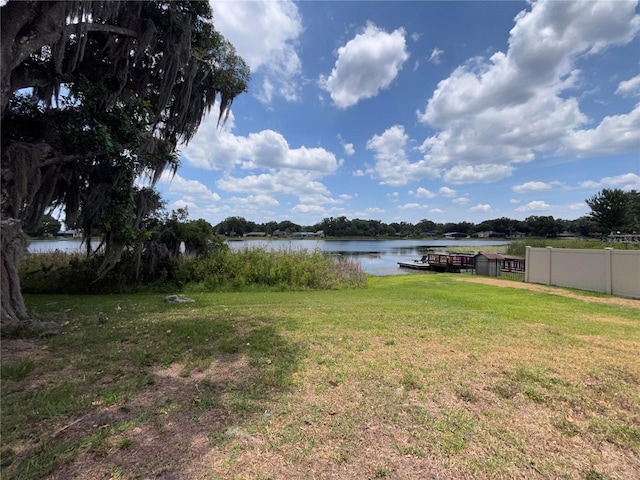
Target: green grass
[[466, 379]]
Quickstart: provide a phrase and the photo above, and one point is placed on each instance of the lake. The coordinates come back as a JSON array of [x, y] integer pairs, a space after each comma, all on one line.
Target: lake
[[377, 257]]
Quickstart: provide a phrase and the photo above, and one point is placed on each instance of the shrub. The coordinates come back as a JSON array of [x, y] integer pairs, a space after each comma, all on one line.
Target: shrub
[[284, 269]]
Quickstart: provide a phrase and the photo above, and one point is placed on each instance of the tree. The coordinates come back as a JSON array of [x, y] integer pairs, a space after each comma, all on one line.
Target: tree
[[232, 227], [610, 209], [114, 88], [543, 226], [48, 226]]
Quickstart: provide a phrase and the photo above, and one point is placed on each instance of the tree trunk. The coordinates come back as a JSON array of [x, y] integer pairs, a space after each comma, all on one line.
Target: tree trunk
[[14, 248]]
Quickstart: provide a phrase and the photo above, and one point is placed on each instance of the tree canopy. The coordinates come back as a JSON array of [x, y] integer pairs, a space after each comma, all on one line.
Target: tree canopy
[[616, 210], [96, 95]]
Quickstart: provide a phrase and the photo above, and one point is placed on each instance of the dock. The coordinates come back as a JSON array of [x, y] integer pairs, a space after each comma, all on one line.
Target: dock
[[441, 262]]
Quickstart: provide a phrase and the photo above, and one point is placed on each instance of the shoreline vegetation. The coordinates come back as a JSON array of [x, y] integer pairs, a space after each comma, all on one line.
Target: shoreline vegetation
[[413, 376], [252, 266]]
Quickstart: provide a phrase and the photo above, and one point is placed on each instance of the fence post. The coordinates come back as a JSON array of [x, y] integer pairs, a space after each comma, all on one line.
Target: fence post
[[549, 271], [608, 280], [527, 257]]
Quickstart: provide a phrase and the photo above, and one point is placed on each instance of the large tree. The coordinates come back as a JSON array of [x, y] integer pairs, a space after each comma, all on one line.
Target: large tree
[[610, 208], [94, 95]]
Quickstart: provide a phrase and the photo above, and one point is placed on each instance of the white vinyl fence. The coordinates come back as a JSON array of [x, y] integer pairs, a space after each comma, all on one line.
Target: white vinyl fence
[[615, 272]]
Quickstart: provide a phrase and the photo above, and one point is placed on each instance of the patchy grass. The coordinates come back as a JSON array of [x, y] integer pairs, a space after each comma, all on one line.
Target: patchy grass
[[416, 376]]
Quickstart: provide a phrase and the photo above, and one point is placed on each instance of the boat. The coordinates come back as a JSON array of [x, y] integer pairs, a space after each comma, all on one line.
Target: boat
[[422, 264]]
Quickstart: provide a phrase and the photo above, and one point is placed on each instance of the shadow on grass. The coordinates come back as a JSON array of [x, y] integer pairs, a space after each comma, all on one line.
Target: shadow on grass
[[151, 393]]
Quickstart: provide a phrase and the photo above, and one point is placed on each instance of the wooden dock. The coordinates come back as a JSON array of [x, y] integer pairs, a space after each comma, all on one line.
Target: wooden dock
[[441, 262]]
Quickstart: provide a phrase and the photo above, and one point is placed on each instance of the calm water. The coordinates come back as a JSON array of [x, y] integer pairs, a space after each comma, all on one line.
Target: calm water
[[377, 257]]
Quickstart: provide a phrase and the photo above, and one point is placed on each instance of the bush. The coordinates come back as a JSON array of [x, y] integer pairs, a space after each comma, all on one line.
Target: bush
[[283, 269], [59, 272]]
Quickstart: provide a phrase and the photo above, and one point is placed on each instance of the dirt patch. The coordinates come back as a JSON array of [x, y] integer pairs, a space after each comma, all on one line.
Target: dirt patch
[[18, 350], [624, 302], [184, 412]]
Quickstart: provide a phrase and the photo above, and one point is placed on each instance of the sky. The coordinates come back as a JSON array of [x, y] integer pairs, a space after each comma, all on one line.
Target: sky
[[402, 111]]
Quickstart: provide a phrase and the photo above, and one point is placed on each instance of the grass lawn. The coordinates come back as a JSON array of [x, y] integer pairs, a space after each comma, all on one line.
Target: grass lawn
[[414, 377]]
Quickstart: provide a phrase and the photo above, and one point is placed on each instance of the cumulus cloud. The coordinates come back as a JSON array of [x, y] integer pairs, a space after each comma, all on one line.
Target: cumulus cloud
[[535, 206], [348, 149], [315, 210], [481, 207], [288, 170], [460, 200], [222, 150], [447, 192], [629, 88], [614, 134], [424, 193], [478, 110], [254, 202], [265, 34], [627, 181], [477, 173], [366, 64], [411, 206], [392, 164], [197, 198], [288, 182], [192, 191], [531, 187]]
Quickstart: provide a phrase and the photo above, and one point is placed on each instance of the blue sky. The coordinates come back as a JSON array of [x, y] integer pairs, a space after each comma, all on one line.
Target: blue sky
[[402, 111]]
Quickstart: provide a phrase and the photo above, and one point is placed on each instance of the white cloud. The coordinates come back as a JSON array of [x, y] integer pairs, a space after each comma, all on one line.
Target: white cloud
[[614, 134], [212, 149], [481, 207], [290, 170], [436, 53], [477, 173], [436, 210], [254, 202], [460, 200], [531, 187], [348, 149], [265, 34], [629, 88], [392, 165], [316, 210], [366, 64], [192, 191], [478, 109], [411, 206], [447, 192], [627, 181], [374, 211], [424, 193], [288, 182], [537, 205]]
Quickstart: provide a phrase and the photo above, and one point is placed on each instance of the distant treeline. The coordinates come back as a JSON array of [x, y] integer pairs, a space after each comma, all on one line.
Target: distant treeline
[[538, 226]]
